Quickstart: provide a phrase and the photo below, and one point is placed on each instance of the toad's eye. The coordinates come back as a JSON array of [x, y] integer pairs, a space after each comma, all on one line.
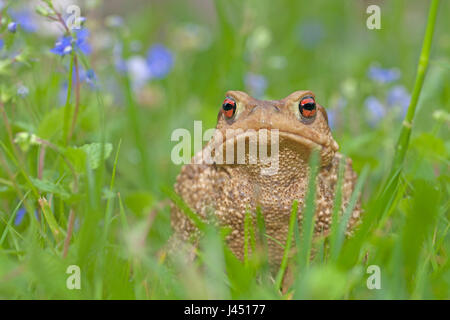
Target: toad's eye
[[307, 107], [229, 107]]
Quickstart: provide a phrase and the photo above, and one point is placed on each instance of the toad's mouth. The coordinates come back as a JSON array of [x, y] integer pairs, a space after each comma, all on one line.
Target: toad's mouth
[[257, 144], [269, 137]]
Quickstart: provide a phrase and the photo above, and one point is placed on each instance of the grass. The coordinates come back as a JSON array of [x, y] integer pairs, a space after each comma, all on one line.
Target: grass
[[96, 171]]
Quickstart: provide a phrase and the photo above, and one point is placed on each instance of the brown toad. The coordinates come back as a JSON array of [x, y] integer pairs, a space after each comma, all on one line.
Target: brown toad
[[295, 125]]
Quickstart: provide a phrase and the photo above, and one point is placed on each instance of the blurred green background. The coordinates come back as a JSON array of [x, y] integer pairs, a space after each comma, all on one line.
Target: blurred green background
[[201, 49]]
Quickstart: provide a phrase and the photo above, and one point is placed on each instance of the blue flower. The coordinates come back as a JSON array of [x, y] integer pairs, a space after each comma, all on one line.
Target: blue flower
[[400, 97], [25, 19], [375, 109], [256, 84], [114, 21], [335, 110], [87, 76], [383, 75], [138, 71], [63, 46], [19, 216], [331, 118], [66, 44], [2, 43], [81, 41], [22, 91], [159, 61], [12, 27]]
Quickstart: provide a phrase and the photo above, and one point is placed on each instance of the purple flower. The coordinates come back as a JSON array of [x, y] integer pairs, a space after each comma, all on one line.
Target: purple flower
[[398, 96], [159, 61], [66, 44], [12, 27], [375, 109], [256, 84], [383, 75], [26, 20], [1, 44], [19, 216]]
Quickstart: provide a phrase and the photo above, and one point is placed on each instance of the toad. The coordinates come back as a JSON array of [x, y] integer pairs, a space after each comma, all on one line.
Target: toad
[[229, 186]]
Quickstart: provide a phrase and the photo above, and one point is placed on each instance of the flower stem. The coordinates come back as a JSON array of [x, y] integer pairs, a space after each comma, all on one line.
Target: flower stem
[[403, 140], [67, 108], [77, 96]]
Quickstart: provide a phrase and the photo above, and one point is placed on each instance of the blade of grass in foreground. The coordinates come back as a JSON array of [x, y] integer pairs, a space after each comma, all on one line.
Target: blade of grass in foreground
[[390, 190], [403, 140], [304, 244], [287, 247], [304, 251], [336, 246]]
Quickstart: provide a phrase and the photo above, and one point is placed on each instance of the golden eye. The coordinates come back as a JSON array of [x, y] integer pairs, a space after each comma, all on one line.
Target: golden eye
[[307, 107]]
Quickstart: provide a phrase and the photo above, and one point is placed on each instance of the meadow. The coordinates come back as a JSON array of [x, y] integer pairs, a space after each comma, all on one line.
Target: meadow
[[86, 117]]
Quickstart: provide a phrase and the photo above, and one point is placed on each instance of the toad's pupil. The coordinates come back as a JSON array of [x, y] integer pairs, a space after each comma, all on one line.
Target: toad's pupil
[[229, 107], [309, 106]]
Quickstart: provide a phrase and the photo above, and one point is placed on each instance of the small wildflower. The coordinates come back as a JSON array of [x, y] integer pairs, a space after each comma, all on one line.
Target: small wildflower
[[66, 44], [75, 24], [26, 20], [114, 21], [383, 75], [331, 118], [2, 43], [398, 96], [159, 61], [12, 27], [81, 41], [63, 46], [256, 84], [119, 63], [338, 104], [22, 90], [19, 216], [138, 71], [87, 76], [375, 109]]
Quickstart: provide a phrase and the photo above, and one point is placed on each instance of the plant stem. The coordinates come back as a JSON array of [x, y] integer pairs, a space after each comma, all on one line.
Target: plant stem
[[77, 96], [67, 108], [403, 140]]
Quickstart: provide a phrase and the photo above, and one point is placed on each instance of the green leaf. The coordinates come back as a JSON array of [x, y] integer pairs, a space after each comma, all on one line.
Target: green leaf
[[77, 157], [50, 187], [94, 153], [51, 124], [429, 146]]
